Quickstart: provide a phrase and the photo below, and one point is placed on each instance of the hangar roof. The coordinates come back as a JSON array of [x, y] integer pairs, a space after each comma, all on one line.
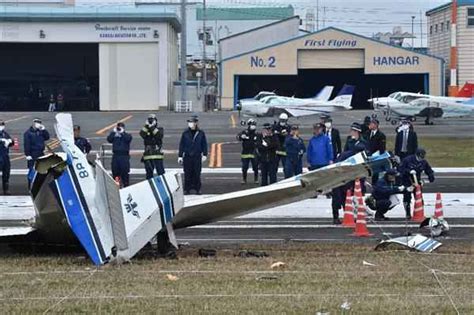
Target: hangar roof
[[250, 13], [324, 30], [89, 14], [448, 5]]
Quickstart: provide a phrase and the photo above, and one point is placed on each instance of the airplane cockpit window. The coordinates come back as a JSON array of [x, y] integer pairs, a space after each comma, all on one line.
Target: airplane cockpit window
[[394, 95]]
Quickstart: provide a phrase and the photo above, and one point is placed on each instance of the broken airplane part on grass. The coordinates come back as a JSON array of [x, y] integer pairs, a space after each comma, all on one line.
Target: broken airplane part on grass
[[76, 201]]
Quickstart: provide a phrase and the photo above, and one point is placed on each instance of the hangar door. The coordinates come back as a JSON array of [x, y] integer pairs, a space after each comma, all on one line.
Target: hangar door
[[32, 73], [331, 59]]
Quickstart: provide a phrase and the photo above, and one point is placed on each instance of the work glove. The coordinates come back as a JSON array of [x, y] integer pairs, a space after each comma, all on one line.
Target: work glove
[[29, 158], [180, 160], [301, 152], [203, 158], [284, 132], [6, 142], [41, 127], [401, 188], [411, 188], [264, 143], [413, 172], [422, 182], [244, 136]]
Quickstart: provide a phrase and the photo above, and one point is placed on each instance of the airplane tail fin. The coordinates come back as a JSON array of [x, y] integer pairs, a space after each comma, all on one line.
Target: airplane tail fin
[[325, 93], [344, 97], [467, 90]]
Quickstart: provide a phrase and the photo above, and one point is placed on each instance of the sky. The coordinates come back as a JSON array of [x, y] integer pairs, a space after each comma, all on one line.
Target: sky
[[364, 17]]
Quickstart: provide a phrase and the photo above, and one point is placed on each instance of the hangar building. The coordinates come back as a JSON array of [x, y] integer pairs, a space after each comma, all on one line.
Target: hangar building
[[97, 58], [303, 64]]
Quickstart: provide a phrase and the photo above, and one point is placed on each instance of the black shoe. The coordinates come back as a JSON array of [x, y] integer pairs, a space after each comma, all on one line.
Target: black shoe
[[408, 217], [379, 217], [336, 221]]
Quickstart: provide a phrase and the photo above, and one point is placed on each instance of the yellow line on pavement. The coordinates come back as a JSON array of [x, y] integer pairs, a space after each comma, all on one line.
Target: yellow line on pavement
[[233, 122], [18, 158], [16, 119], [219, 155], [212, 159], [101, 131]]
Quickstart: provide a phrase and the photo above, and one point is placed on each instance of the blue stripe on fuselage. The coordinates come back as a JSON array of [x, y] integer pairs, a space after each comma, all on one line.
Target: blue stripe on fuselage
[[77, 217], [165, 198]]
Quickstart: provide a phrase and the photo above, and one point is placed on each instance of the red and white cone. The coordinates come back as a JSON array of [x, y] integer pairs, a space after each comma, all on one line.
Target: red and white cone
[[348, 219], [16, 144], [361, 222], [418, 212], [438, 214]]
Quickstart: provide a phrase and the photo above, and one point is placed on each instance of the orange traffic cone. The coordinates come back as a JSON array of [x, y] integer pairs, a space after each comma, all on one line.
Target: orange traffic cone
[[348, 211], [361, 222], [16, 144], [438, 207], [418, 212]]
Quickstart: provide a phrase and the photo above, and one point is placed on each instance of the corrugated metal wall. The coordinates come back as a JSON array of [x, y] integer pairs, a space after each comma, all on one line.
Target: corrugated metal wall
[[331, 59]]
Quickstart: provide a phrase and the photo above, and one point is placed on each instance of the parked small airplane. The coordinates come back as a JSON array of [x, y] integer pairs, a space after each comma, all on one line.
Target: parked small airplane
[[297, 107], [400, 98]]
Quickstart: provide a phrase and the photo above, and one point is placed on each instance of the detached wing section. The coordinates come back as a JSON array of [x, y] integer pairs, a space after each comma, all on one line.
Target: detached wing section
[[293, 189]]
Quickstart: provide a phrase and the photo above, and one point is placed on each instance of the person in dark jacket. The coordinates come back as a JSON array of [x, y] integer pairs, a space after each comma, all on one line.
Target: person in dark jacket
[[267, 144], [281, 129], [384, 194], [413, 166], [319, 153], [248, 137], [406, 141], [120, 140], [365, 129], [355, 138], [5, 143], [152, 136], [338, 194], [33, 144], [376, 142], [295, 150], [82, 143], [333, 135], [192, 153]]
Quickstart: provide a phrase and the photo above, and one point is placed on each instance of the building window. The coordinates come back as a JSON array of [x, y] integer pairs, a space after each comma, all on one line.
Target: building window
[[447, 25], [470, 16], [442, 27], [431, 29], [436, 28]]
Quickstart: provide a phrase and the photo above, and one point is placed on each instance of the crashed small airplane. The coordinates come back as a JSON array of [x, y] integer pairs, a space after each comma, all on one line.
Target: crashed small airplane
[[76, 201]]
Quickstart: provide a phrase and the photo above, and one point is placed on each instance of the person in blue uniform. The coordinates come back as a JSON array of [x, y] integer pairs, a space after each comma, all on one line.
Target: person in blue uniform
[[281, 130], [5, 143], [82, 143], [120, 140], [192, 153], [248, 156], [267, 144], [295, 149], [33, 144], [355, 137], [319, 152], [384, 195], [152, 136], [411, 166]]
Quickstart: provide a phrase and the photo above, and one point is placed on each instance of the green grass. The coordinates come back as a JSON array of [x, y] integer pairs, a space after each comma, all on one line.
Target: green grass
[[446, 152], [317, 277]]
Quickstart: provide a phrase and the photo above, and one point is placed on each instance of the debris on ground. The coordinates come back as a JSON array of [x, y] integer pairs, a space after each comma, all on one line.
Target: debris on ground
[[278, 265], [266, 278], [250, 253], [346, 306], [207, 252], [171, 277], [418, 242], [366, 263]]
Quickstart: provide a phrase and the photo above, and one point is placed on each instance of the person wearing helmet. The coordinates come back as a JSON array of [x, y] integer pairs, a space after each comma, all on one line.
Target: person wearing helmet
[[384, 195], [152, 136], [5, 143], [411, 169], [281, 129], [406, 141], [248, 137], [34, 144], [319, 148], [120, 140], [355, 138], [192, 153], [295, 150], [267, 144]]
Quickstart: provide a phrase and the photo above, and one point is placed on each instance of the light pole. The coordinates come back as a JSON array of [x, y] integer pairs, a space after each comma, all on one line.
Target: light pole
[[412, 32]]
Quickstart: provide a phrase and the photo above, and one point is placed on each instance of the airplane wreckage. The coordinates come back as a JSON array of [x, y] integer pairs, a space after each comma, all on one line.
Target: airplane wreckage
[[76, 201]]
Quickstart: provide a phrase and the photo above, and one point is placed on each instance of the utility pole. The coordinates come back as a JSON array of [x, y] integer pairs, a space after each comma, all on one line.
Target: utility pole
[[204, 42], [324, 17], [317, 15], [421, 29], [184, 72], [412, 32]]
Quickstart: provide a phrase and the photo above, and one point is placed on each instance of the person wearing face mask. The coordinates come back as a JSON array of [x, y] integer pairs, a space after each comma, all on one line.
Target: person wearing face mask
[[120, 140], [152, 136], [354, 138], [406, 141], [376, 143], [5, 143], [33, 144], [248, 137], [414, 165], [295, 149], [333, 135], [82, 143], [384, 195], [267, 144], [281, 129], [319, 153], [192, 153]]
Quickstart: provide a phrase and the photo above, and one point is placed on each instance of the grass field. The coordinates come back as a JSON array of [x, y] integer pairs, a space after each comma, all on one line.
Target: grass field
[[446, 152], [317, 277]]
